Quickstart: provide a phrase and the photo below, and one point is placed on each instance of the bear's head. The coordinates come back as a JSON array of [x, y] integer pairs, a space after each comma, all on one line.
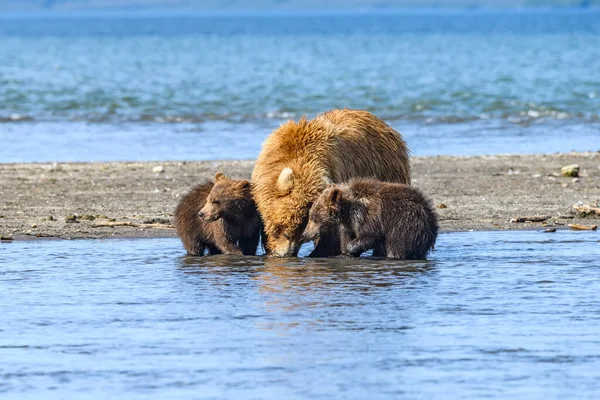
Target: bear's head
[[286, 201], [325, 213], [229, 199]]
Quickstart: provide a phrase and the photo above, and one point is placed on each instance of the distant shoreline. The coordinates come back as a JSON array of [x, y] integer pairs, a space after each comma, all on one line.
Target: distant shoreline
[[83, 200], [39, 12]]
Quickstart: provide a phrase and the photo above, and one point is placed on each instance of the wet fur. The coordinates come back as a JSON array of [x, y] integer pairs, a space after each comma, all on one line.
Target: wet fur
[[394, 220], [237, 231], [334, 147]]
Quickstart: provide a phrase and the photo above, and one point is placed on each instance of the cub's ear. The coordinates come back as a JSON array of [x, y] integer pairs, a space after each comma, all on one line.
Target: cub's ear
[[244, 184], [335, 196], [285, 182], [219, 176]]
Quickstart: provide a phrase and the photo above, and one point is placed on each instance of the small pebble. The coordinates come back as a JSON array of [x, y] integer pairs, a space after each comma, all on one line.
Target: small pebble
[[570, 170], [536, 175], [442, 205], [158, 169], [72, 219], [549, 230], [34, 226], [575, 180]]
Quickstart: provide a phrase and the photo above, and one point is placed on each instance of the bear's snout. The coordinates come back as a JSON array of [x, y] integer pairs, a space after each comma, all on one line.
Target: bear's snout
[[208, 216], [310, 233]]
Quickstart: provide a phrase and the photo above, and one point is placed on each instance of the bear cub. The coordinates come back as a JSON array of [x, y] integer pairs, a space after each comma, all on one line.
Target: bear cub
[[393, 219], [220, 217]]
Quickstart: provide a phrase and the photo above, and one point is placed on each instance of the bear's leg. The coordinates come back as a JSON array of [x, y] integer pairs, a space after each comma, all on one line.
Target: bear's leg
[[230, 248], [249, 243], [379, 250], [212, 250], [197, 249], [360, 244], [328, 245], [226, 239], [399, 245]]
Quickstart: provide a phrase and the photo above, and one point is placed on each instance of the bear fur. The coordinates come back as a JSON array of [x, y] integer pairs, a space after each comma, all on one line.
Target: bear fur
[[220, 217], [299, 159], [393, 220]]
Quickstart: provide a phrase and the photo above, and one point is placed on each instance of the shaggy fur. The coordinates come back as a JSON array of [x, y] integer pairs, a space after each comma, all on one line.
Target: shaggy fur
[[298, 160], [394, 220], [220, 217]]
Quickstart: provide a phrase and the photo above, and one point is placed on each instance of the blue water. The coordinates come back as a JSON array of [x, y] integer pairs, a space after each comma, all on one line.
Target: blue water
[[490, 315], [191, 86]]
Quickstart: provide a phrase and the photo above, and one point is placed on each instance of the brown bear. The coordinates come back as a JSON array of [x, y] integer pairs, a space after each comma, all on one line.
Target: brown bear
[[220, 217], [394, 220], [298, 160]]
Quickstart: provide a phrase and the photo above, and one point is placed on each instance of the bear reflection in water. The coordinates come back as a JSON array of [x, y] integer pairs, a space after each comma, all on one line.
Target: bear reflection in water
[[287, 293], [302, 274]]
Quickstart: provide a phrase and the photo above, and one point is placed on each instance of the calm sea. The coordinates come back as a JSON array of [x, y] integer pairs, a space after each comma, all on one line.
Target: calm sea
[[190, 86], [494, 315]]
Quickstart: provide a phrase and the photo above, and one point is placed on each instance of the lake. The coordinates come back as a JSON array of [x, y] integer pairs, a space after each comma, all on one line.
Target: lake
[[490, 315], [156, 86]]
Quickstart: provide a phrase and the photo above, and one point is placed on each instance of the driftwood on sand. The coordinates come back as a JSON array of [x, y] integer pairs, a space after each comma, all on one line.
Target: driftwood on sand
[[531, 218], [586, 210], [578, 227], [132, 224]]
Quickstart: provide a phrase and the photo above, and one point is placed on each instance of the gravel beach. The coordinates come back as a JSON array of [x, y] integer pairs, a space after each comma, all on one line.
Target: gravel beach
[[137, 199]]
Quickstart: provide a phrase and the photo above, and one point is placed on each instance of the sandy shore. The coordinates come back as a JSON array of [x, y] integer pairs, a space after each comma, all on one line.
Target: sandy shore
[[80, 200]]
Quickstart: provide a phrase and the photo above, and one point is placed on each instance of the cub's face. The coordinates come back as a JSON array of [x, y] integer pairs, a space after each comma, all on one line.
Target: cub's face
[[227, 198], [324, 214]]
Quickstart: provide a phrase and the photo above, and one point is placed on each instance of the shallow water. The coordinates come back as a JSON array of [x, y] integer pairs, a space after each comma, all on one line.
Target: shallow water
[[491, 314], [190, 86]]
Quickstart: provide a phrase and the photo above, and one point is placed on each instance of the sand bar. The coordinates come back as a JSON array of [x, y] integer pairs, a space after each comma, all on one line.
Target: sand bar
[[134, 199]]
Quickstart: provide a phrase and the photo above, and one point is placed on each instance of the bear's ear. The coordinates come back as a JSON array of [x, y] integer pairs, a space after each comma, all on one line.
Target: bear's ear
[[244, 184], [335, 196], [219, 176], [285, 182]]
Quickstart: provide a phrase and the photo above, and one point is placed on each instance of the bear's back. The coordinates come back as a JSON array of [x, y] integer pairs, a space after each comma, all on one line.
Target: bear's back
[[190, 229]]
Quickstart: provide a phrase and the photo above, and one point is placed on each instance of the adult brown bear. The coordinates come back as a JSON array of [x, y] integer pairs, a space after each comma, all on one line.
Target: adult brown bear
[[298, 160]]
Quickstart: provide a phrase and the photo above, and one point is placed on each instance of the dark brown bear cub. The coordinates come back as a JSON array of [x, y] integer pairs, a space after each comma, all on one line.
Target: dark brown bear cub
[[220, 217], [392, 219]]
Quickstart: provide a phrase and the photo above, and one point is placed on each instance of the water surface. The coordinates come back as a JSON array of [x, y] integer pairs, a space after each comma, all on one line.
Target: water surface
[[494, 315], [176, 86]]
